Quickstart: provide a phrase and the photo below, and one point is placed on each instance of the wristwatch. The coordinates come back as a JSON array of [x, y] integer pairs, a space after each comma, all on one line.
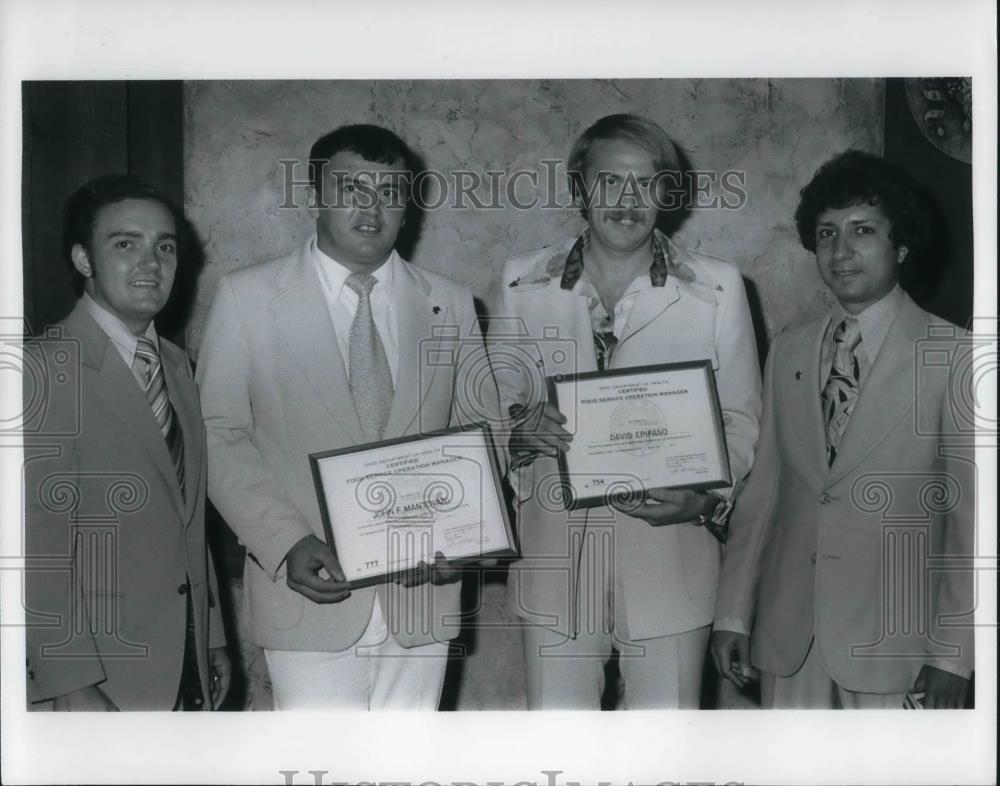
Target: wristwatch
[[717, 521]]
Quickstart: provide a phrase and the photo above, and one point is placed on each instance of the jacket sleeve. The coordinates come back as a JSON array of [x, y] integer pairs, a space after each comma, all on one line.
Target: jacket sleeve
[[750, 523], [953, 588], [62, 655], [738, 379], [242, 486]]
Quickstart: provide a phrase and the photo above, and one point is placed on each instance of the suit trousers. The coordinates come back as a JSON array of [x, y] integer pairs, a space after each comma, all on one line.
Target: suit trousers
[[659, 673], [376, 673], [812, 688]]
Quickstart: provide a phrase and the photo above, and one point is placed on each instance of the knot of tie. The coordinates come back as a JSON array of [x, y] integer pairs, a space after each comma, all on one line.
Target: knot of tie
[[362, 283], [146, 349], [848, 333]]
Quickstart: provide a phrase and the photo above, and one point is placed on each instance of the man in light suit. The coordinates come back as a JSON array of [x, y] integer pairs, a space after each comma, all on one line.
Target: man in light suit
[[641, 581], [121, 590], [861, 481], [328, 348]]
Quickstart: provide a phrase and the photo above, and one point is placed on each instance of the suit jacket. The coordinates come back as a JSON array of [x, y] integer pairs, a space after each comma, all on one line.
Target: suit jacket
[[666, 575], [839, 552], [274, 389], [110, 539]]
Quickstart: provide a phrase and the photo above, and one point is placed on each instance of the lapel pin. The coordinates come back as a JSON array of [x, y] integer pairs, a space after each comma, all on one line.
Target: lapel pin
[[798, 375], [436, 309]]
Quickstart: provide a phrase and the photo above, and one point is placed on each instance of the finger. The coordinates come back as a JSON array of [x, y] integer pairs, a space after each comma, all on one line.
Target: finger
[[673, 496], [747, 671], [415, 576], [225, 679], [326, 592], [444, 572], [552, 412], [329, 561]]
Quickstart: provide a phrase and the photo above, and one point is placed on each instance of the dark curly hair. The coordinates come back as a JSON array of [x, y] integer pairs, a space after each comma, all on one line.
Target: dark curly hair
[[858, 178]]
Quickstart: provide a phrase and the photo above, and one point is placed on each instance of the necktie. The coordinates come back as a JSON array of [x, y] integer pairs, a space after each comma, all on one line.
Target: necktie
[[371, 379], [159, 403], [841, 391]]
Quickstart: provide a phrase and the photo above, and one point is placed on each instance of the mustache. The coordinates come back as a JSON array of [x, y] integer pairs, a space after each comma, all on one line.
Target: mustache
[[635, 215]]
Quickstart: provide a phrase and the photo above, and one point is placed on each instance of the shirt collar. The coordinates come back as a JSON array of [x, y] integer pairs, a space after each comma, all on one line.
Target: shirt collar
[[875, 321], [573, 268], [123, 339], [335, 274]]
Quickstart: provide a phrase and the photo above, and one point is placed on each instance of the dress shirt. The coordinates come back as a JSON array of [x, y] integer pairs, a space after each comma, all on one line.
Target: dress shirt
[[342, 303], [874, 323], [121, 337]]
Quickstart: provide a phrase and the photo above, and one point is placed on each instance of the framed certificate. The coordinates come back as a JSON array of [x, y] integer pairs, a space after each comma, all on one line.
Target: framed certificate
[[640, 428], [388, 505]]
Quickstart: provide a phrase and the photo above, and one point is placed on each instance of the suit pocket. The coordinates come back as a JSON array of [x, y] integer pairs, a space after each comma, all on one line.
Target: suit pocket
[[272, 604]]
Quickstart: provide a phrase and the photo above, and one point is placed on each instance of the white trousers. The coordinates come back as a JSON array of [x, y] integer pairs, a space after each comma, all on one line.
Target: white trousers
[[568, 674], [811, 688], [374, 674]]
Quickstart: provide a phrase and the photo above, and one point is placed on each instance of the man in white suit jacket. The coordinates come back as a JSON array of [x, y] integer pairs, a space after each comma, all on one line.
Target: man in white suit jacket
[[622, 295], [279, 381], [861, 482]]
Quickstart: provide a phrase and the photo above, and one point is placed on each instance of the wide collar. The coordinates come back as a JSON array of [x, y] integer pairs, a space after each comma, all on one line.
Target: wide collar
[[300, 311], [116, 385]]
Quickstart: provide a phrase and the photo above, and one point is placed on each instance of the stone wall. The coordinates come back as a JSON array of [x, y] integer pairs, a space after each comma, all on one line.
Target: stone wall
[[776, 131]]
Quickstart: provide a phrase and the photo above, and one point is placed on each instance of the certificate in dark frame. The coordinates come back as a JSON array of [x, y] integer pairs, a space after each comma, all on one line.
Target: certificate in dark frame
[[575, 502], [507, 551]]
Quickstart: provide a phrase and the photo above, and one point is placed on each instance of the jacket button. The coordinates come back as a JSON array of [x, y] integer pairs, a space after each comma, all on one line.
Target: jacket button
[[183, 589], [812, 558], [824, 499]]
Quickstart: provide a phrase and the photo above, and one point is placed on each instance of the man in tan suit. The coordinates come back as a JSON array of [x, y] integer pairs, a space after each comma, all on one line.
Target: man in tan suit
[[847, 579], [327, 348], [121, 590]]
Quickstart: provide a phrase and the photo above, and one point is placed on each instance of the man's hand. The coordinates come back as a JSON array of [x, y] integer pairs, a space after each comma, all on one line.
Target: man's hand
[[89, 699], [441, 572], [539, 432], [942, 690], [731, 653], [305, 562], [666, 506], [221, 669]]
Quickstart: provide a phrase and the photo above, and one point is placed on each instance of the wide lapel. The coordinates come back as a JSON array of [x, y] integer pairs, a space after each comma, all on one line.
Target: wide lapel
[[301, 313], [685, 277], [118, 388], [796, 383], [423, 324], [888, 394], [184, 397], [650, 305]]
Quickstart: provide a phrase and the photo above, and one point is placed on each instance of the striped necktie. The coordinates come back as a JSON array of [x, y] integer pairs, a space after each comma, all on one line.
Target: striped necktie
[[368, 367], [841, 391], [159, 402]]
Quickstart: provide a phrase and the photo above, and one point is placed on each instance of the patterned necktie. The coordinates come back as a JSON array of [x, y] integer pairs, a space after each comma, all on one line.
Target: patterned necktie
[[841, 391], [159, 402], [371, 379]]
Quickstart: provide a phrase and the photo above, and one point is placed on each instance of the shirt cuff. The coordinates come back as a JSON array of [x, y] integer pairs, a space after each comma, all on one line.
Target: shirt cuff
[[951, 667], [730, 624]]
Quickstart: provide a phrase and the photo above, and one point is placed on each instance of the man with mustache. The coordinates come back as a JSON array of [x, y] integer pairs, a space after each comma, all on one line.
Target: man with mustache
[[328, 348], [621, 294]]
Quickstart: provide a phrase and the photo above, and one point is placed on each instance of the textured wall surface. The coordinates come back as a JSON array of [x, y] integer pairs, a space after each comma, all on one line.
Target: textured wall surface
[[775, 131]]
